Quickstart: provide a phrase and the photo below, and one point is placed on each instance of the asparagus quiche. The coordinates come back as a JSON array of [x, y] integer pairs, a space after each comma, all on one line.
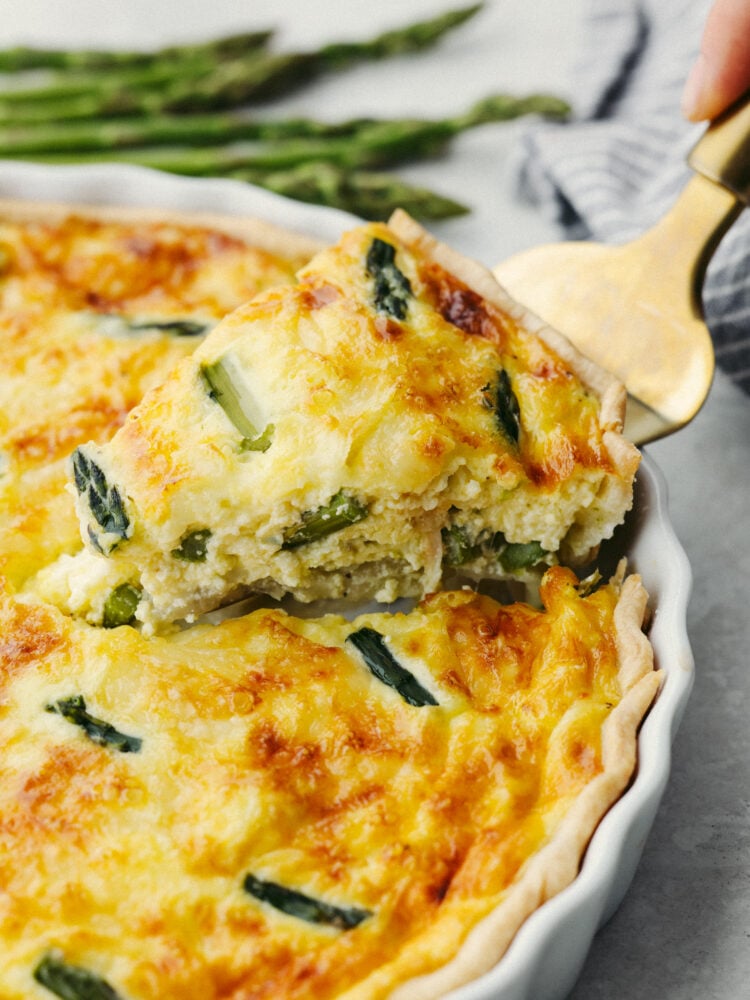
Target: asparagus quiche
[[96, 306], [305, 809], [388, 422]]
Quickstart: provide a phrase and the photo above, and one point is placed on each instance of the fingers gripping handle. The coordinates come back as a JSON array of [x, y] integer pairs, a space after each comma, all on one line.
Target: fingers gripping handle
[[722, 154]]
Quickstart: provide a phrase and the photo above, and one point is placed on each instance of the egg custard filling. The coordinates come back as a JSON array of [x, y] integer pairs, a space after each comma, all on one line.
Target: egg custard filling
[[390, 423], [305, 809]]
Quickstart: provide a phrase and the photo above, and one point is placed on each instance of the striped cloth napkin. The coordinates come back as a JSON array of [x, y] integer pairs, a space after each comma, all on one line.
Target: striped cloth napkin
[[618, 166]]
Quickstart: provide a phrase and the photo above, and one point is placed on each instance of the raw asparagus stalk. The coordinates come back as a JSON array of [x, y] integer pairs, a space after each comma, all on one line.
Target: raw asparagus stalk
[[102, 135], [367, 194], [239, 81], [22, 57], [156, 74], [276, 74], [372, 144]]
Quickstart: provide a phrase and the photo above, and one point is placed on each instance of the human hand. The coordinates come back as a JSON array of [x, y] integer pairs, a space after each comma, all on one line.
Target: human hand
[[721, 72]]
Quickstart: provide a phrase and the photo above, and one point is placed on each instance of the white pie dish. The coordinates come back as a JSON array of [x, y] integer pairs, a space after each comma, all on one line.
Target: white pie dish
[[549, 950]]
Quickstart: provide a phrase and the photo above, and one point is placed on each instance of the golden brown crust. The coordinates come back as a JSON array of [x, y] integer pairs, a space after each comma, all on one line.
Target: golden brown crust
[[260, 233]]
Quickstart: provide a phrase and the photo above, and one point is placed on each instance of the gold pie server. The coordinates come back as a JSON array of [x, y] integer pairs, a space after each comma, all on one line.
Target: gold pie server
[[636, 308]]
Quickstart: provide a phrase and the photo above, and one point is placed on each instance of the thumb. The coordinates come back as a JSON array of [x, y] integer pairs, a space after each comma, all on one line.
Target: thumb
[[721, 72]]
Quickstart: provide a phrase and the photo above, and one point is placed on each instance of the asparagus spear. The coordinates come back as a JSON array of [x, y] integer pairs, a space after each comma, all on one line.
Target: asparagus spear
[[297, 904], [102, 733], [371, 144], [224, 382], [71, 982], [105, 502], [500, 398], [373, 649], [340, 511], [102, 135], [364, 193], [22, 57], [156, 74], [392, 289], [238, 81], [272, 75]]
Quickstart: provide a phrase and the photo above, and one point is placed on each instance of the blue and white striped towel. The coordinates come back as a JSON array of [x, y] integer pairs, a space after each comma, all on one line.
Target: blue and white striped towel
[[616, 168]]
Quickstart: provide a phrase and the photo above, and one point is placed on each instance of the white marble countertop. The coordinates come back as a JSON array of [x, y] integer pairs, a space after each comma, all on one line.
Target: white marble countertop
[[682, 931]]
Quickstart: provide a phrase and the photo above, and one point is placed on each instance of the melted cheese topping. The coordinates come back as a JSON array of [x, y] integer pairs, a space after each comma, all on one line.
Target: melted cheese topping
[[450, 414], [72, 366], [269, 749]]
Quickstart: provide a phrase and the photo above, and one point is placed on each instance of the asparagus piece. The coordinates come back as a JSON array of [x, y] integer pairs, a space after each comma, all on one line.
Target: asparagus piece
[[242, 80], [193, 547], [102, 733], [176, 327], [458, 547], [364, 193], [224, 384], [104, 501], [372, 647], [103, 134], [340, 511], [71, 982], [521, 555], [120, 606], [500, 398], [297, 904], [22, 57], [392, 291]]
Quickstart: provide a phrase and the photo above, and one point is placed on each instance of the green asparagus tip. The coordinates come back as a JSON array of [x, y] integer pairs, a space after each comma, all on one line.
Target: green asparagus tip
[[504, 107]]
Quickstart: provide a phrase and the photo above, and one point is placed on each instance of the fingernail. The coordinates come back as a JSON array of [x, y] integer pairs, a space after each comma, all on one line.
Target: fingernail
[[694, 90]]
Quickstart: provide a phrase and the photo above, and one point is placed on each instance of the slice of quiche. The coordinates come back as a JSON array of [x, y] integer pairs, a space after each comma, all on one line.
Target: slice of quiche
[[391, 417], [96, 306], [305, 809]]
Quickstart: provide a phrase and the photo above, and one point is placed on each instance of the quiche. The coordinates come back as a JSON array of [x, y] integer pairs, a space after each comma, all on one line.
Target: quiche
[[96, 306], [391, 421], [305, 808]]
